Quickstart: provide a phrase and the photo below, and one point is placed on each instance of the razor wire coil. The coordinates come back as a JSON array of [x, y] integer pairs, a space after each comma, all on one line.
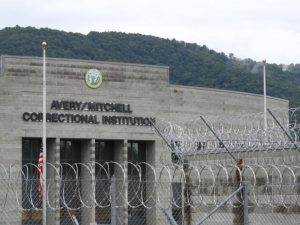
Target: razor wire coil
[[270, 186]]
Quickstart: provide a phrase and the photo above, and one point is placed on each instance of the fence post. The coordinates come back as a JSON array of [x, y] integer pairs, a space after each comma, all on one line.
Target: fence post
[[245, 202], [187, 194], [113, 202]]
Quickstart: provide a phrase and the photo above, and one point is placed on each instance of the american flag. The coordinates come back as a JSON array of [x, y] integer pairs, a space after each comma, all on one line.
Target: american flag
[[40, 172]]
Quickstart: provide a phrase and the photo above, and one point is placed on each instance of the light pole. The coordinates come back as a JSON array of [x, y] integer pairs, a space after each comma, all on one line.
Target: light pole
[[44, 198], [265, 95]]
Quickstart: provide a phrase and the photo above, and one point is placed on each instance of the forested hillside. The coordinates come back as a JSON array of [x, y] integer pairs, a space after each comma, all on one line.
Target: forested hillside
[[190, 64]]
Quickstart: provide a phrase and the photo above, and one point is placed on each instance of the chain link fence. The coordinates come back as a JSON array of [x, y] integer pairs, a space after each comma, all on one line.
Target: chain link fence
[[172, 195]]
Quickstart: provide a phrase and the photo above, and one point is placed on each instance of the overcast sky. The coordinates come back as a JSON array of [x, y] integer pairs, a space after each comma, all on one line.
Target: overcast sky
[[256, 29]]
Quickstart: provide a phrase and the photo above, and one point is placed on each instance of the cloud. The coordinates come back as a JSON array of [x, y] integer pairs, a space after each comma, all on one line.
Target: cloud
[[250, 29]]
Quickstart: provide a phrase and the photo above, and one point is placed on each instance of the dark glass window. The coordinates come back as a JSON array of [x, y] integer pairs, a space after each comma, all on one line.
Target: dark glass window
[[104, 152], [70, 151], [30, 153], [136, 152], [136, 187], [136, 155], [70, 154]]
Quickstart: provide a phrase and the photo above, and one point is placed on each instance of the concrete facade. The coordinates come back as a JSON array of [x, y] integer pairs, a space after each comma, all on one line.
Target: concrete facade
[[143, 88]]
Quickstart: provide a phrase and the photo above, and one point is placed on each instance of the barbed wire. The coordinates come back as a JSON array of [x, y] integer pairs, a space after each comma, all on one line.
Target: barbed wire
[[238, 134], [271, 185]]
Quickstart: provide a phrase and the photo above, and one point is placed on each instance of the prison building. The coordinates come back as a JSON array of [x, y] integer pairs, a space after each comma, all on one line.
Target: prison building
[[97, 112]]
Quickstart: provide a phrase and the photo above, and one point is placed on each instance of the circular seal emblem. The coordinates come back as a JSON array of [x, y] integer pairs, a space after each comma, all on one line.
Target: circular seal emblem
[[93, 78]]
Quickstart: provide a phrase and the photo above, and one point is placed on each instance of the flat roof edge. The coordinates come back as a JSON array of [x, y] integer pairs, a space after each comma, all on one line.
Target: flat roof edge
[[225, 91], [85, 61]]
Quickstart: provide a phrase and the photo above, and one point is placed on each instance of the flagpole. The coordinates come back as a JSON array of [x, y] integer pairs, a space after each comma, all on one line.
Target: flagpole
[[265, 96], [44, 197]]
